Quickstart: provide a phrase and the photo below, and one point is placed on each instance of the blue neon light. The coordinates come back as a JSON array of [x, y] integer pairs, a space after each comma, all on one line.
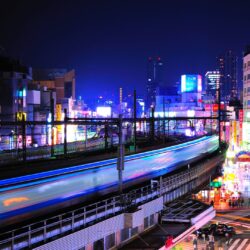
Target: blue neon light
[[81, 180], [53, 173]]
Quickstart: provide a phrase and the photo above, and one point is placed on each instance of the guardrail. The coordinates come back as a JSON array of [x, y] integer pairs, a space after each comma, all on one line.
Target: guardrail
[[57, 226]]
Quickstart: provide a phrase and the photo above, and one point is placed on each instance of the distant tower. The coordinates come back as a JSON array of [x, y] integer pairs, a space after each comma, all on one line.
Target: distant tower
[[120, 96], [227, 65], [154, 79]]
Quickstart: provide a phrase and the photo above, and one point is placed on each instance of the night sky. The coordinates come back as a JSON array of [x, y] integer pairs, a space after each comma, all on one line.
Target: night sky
[[108, 42]]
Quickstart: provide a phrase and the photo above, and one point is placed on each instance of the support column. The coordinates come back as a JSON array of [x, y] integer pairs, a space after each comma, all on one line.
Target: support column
[[106, 136], [135, 120], [120, 159], [24, 137], [52, 126], [164, 122], [152, 125], [65, 149]]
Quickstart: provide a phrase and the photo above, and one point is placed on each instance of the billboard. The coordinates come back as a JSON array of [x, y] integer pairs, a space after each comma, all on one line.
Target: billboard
[[241, 116], [103, 111], [191, 83]]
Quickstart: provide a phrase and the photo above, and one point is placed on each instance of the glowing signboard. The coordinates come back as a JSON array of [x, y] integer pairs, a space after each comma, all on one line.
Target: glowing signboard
[[191, 83], [21, 115], [103, 111]]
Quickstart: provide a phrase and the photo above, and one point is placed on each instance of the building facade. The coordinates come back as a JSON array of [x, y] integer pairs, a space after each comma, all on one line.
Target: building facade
[[191, 89], [246, 98], [14, 79], [212, 83], [61, 80], [227, 65]]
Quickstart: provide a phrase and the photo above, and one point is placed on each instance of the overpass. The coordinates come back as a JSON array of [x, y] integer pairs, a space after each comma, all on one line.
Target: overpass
[[36, 194]]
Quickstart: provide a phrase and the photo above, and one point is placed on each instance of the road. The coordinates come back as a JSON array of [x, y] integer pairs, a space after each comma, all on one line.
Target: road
[[239, 219]]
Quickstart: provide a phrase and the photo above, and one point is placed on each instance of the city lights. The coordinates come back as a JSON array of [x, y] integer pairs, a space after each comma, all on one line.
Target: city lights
[[124, 125]]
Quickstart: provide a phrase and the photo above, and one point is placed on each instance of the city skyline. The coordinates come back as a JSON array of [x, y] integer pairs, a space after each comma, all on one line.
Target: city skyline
[[109, 43], [125, 124]]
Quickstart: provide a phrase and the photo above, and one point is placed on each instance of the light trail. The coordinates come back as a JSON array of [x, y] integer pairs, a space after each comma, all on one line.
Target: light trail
[[53, 191]]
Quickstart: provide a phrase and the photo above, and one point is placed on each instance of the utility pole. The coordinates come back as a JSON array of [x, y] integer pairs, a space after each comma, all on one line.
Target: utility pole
[[52, 125], [219, 115], [120, 158], [164, 122], [16, 133], [24, 137], [135, 120], [86, 134], [106, 136], [65, 134], [152, 127], [168, 120]]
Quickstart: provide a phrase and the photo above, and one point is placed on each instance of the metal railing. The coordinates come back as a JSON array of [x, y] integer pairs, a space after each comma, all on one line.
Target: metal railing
[[57, 226], [29, 140]]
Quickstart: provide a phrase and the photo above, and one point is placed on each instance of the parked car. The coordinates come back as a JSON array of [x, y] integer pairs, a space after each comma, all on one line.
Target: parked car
[[222, 230], [216, 230]]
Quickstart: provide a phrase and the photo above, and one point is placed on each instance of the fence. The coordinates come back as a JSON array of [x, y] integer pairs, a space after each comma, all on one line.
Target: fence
[[29, 140]]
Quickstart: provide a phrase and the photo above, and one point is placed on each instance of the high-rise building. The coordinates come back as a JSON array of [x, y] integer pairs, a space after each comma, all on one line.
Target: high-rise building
[[212, 83], [246, 97], [246, 84], [227, 66], [155, 82]]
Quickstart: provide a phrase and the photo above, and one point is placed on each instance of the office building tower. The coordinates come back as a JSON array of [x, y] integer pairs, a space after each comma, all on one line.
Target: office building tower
[[227, 65], [212, 83], [155, 82]]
